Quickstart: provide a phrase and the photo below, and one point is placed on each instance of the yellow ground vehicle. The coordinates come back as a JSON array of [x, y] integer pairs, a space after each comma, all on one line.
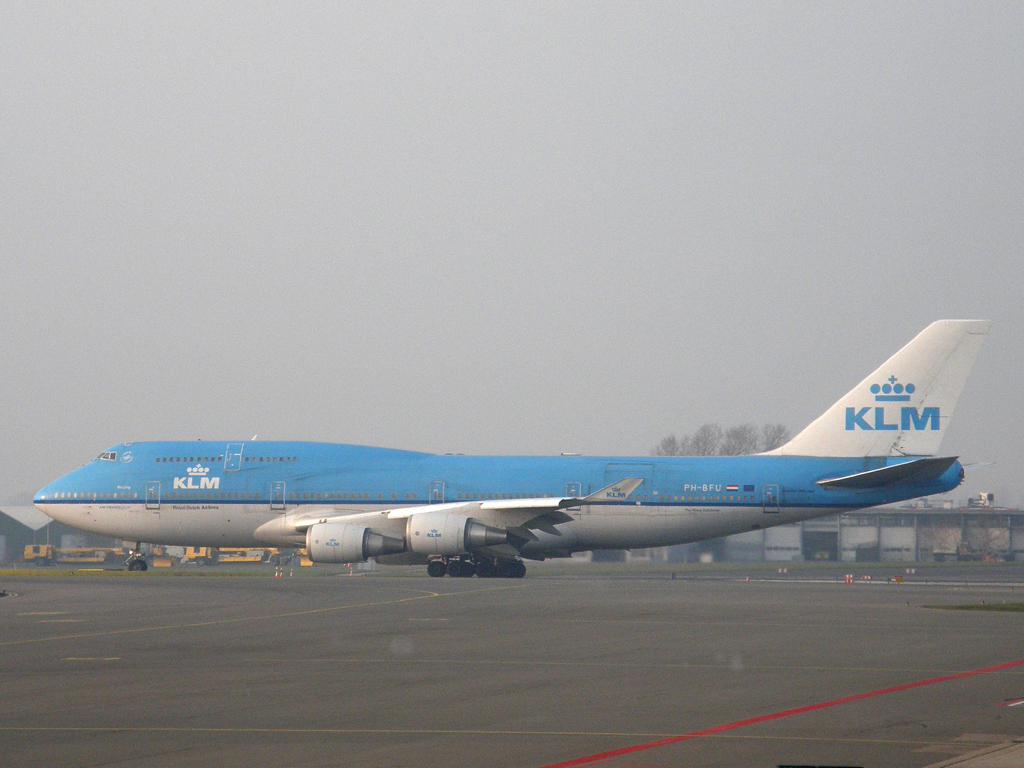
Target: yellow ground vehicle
[[159, 557], [86, 556], [242, 556], [200, 555], [226, 556], [40, 554]]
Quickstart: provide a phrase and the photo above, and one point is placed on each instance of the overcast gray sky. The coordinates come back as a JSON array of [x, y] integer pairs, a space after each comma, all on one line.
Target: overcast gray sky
[[498, 228]]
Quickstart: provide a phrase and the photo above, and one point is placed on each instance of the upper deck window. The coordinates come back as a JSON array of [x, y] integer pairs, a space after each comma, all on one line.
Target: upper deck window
[[107, 456]]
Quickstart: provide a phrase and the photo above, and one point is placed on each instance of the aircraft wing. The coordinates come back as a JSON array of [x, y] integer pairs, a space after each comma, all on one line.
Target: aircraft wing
[[615, 492], [520, 515]]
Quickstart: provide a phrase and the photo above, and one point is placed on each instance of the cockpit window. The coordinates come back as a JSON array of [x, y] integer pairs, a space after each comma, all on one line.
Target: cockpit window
[[107, 456]]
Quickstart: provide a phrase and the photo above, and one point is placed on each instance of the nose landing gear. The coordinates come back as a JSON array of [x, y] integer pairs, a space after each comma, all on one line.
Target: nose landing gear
[[135, 561]]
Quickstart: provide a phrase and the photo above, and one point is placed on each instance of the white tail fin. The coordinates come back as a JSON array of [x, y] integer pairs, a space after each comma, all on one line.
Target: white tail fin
[[903, 408]]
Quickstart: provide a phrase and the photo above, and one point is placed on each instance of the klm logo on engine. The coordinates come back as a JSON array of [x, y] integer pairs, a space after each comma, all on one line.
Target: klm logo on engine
[[198, 472], [880, 417]]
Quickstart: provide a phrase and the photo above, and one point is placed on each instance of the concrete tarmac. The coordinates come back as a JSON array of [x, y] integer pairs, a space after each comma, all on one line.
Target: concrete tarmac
[[383, 670]]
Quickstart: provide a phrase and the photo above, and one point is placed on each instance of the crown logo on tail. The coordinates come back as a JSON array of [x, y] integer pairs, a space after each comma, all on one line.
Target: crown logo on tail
[[892, 391]]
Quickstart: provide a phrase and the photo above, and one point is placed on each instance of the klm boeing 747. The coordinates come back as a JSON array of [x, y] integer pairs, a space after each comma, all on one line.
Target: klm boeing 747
[[482, 515]]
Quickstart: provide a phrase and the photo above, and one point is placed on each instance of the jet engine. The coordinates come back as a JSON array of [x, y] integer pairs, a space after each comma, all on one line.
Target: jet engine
[[342, 543], [437, 533]]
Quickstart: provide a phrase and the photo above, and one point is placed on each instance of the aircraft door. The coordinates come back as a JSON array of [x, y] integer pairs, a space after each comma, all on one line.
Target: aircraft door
[[153, 494], [233, 457], [436, 494], [574, 490], [770, 499], [277, 496]]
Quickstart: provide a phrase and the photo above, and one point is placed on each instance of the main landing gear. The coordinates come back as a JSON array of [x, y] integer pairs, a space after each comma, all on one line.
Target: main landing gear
[[135, 561], [484, 567]]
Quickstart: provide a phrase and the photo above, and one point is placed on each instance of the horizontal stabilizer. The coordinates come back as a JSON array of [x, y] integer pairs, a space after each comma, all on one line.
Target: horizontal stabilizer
[[917, 471]]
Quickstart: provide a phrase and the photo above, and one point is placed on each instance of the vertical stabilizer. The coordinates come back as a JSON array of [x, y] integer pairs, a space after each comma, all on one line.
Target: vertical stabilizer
[[903, 408]]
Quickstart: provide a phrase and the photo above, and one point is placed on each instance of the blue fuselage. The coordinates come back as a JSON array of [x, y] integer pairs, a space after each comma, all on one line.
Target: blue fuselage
[[218, 493]]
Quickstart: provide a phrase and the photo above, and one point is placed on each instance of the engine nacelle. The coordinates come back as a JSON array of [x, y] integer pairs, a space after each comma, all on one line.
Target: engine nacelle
[[343, 543], [437, 533]]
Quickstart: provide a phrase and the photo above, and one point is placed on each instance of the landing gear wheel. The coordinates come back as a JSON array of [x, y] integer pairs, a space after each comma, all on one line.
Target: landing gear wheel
[[518, 570], [135, 561], [436, 568], [503, 569], [485, 569], [455, 568]]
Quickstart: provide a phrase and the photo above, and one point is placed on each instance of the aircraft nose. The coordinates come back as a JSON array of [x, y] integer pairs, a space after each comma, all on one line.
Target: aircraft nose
[[46, 495]]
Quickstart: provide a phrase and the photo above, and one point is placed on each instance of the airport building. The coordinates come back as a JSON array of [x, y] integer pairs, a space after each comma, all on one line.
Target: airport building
[[22, 526], [918, 532]]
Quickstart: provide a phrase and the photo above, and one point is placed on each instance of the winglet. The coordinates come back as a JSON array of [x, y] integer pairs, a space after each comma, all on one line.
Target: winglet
[[614, 492]]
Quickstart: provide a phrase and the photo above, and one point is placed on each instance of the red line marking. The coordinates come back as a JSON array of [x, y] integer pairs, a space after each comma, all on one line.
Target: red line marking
[[776, 715]]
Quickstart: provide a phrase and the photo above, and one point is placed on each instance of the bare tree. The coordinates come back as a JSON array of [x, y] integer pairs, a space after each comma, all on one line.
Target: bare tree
[[773, 436], [670, 446], [706, 440], [711, 440], [741, 440]]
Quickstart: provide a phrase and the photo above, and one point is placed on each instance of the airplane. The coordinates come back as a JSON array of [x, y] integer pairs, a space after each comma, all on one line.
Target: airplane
[[483, 515]]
